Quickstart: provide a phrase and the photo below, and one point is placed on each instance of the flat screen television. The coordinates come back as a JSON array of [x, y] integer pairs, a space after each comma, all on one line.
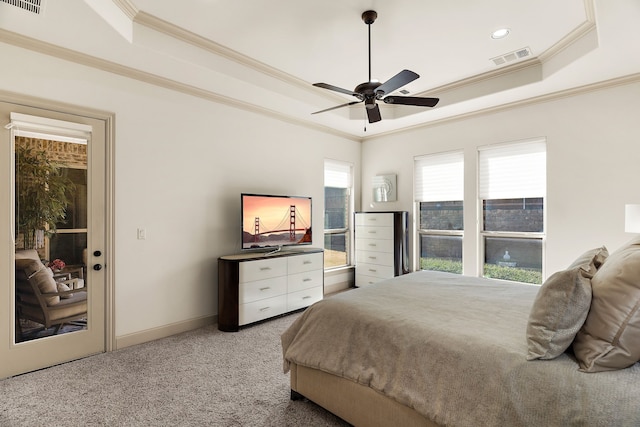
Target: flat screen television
[[271, 222]]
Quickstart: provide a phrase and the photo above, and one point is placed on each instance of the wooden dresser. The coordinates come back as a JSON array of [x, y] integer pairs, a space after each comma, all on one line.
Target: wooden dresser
[[254, 287], [382, 241]]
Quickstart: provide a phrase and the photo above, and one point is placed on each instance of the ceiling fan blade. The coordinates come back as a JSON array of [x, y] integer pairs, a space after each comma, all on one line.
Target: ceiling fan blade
[[411, 100], [374, 114], [335, 88], [402, 78], [337, 106]]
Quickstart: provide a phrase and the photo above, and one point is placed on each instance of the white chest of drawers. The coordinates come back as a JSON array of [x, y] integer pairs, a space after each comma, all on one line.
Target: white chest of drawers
[[381, 246], [256, 287]]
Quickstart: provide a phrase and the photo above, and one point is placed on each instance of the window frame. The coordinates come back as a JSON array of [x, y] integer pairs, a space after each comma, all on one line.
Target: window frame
[[449, 157], [347, 181], [522, 235]]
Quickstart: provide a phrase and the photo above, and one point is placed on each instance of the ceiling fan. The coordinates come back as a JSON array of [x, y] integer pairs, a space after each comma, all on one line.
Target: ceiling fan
[[372, 90]]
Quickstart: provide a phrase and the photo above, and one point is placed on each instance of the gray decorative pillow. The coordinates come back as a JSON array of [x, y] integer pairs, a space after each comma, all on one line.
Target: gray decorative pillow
[[561, 306], [610, 337]]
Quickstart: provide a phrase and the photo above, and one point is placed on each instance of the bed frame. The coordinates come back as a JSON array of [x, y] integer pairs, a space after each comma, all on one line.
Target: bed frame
[[355, 403]]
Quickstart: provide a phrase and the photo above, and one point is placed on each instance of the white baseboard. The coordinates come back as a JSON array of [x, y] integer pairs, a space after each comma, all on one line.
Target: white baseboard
[[163, 331], [334, 281], [338, 280]]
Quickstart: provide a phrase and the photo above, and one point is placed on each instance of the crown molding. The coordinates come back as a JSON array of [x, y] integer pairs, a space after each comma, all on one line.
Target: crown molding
[[59, 52], [156, 24], [161, 26], [127, 7], [574, 36], [580, 90]]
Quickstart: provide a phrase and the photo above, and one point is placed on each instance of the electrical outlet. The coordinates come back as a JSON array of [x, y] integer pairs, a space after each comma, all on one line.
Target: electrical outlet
[[142, 234]]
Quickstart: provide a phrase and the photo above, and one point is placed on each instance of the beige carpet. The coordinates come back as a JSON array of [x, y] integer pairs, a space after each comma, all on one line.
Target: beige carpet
[[200, 378]]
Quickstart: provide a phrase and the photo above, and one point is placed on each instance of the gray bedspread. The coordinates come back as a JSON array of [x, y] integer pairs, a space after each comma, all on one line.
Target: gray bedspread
[[454, 348]]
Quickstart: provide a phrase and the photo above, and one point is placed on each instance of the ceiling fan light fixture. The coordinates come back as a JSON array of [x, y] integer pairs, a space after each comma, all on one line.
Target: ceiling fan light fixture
[[370, 103], [500, 33]]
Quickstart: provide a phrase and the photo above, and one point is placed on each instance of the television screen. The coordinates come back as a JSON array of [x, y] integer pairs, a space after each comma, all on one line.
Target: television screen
[[270, 221]]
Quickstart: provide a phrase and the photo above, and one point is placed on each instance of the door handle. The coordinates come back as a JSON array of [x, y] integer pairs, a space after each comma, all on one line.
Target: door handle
[[97, 267]]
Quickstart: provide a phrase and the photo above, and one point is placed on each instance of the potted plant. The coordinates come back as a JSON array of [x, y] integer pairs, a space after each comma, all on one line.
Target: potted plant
[[41, 195]]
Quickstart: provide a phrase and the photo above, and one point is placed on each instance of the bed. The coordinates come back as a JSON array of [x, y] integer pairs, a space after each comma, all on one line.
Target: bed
[[436, 349]]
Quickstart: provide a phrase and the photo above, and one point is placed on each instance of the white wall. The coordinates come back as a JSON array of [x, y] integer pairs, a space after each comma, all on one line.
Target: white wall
[[180, 165], [189, 203], [593, 149]]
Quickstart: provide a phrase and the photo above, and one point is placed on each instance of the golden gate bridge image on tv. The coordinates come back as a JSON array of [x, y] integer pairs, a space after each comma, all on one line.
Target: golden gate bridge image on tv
[[284, 233]]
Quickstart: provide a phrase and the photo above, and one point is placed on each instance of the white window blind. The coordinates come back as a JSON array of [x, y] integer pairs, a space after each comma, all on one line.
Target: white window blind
[[337, 174], [46, 128], [513, 171], [439, 177]]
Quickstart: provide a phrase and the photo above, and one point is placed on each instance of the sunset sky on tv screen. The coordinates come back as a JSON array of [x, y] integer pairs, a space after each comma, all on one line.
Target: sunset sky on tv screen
[[272, 211]]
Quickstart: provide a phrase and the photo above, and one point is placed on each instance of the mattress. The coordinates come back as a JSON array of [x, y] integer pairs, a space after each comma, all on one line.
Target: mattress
[[453, 348]]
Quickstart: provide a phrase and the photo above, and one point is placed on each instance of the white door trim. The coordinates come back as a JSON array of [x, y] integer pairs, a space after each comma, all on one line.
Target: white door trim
[[109, 250]]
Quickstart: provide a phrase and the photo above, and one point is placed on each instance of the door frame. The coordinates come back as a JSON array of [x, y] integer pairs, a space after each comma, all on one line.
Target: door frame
[[109, 251]]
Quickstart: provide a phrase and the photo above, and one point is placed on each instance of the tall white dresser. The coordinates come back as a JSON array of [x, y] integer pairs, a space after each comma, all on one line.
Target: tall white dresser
[[382, 242]]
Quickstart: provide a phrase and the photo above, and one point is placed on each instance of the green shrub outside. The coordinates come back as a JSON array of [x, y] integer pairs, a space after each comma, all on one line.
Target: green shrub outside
[[513, 273], [493, 271], [441, 264]]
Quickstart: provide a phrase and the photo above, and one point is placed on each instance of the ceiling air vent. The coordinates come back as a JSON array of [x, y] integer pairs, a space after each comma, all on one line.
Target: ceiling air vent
[[34, 6], [512, 56]]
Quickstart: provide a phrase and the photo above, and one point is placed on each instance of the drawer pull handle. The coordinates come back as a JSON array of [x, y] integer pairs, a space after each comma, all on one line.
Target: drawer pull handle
[[266, 288], [373, 257], [372, 219], [306, 280], [307, 262], [306, 297], [372, 244], [265, 308], [372, 232], [372, 270], [265, 268]]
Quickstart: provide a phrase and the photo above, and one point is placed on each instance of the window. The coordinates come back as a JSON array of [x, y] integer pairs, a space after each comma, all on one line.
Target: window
[[70, 240], [338, 211], [512, 186], [439, 188]]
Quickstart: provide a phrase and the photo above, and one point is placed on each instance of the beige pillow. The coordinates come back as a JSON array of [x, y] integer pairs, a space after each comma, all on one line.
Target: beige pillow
[[610, 337], [62, 287], [27, 267], [561, 306], [43, 278], [27, 254]]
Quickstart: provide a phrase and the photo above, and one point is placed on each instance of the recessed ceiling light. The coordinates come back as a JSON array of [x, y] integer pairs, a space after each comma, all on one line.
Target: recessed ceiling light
[[500, 34]]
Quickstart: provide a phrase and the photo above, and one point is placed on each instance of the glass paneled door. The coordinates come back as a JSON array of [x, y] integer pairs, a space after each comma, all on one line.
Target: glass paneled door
[[53, 250]]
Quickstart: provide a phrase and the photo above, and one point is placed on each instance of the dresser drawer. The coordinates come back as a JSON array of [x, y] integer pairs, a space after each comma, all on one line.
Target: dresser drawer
[[374, 232], [304, 298], [379, 258], [304, 280], [372, 218], [308, 262], [381, 271], [262, 269], [261, 289], [364, 280], [374, 245], [262, 309]]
